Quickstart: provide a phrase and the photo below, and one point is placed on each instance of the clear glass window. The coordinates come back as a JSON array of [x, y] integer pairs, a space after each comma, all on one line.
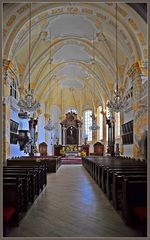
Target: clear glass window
[[13, 89], [100, 123], [87, 123], [117, 124]]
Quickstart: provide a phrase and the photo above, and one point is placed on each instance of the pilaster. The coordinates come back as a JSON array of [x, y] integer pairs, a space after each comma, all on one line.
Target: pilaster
[[6, 111], [140, 118]]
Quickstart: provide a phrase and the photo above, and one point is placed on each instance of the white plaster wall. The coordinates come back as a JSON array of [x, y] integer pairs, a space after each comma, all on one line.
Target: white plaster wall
[[91, 148], [40, 129], [51, 143], [127, 116], [128, 150]]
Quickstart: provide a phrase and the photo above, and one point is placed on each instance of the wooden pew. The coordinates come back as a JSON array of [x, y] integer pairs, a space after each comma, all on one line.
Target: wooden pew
[[109, 176], [22, 182], [117, 190], [97, 166], [9, 178], [13, 197], [8, 214], [35, 171], [53, 162], [134, 196], [30, 181], [118, 165], [41, 164]]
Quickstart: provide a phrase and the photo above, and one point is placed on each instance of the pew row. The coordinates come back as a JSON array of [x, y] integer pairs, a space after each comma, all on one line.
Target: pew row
[[115, 176], [23, 181], [53, 162]]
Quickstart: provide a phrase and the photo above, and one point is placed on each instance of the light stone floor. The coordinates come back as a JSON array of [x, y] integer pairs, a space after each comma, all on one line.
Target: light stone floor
[[72, 205]]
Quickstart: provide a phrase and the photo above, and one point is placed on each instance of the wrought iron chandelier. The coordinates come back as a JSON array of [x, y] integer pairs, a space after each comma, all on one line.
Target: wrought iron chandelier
[[49, 125], [118, 103], [94, 126], [29, 103]]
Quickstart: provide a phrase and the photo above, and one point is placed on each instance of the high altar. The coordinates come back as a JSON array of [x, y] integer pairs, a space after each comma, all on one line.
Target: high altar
[[71, 130]]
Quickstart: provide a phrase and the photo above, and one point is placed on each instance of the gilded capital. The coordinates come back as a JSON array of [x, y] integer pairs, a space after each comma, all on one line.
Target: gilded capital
[[46, 115], [39, 112]]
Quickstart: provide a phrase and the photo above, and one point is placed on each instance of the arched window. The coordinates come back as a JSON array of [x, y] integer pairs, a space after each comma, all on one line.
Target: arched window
[[87, 123], [108, 116], [13, 89], [117, 125], [100, 123]]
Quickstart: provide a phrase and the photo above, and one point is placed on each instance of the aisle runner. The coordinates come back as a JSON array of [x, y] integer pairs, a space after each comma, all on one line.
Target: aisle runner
[[74, 160]]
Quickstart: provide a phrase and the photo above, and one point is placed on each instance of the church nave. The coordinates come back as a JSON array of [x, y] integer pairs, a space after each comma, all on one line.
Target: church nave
[[72, 205], [74, 119]]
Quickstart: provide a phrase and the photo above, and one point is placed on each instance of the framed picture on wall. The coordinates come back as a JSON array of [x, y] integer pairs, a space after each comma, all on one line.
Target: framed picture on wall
[[13, 138], [13, 126]]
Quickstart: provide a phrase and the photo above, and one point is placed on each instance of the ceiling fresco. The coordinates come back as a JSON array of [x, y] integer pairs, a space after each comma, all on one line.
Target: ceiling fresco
[[73, 47]]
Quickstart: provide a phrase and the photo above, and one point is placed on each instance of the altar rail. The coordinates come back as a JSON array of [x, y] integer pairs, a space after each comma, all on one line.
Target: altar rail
[[59, 148]]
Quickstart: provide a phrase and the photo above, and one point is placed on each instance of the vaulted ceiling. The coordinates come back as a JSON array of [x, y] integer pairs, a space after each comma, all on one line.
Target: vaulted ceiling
[[73, 49]]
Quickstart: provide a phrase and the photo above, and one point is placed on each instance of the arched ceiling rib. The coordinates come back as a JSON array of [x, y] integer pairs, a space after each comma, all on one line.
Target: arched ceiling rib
[[71, 29]]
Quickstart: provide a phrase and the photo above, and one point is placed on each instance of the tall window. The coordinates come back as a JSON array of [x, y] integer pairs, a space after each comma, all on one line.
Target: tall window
[[117, 125], [87, 124], [13, 89], [100, 123], [107, 115]]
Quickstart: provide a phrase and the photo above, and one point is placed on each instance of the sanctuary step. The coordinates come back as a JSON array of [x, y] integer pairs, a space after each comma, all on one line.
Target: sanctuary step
[[73, 160]]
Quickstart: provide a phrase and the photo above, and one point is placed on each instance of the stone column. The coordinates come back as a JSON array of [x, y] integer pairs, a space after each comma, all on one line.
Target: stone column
[[46, 115], [63, 135], [79, 134], [104, 129], [121, 145], [140, 119]]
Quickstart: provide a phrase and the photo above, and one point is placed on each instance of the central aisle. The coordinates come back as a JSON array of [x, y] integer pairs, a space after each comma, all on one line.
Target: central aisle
[[72, 205]]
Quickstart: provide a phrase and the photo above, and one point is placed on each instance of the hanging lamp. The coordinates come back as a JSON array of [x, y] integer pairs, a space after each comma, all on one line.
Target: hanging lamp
[[29, 103], [94, 126], [49, 125], [117, 104]]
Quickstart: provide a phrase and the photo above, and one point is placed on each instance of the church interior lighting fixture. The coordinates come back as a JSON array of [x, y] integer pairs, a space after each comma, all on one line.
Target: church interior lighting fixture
[[94, 126], [118, 103], [49, 125], [29, 103]]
